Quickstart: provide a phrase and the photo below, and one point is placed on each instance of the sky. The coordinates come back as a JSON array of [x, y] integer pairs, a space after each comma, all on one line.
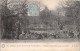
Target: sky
[[51, 4]]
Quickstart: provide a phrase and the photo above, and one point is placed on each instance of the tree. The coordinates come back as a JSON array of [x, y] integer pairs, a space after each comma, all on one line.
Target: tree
[[5, 13], [73, 11], [11, 18], [45, 16], [0, 18]]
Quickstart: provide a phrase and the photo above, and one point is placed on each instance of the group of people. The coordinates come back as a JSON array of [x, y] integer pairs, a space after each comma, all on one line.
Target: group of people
[[55, 35]]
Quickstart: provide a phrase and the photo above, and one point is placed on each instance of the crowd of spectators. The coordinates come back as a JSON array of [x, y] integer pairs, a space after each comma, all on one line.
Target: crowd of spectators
[[55, 35]]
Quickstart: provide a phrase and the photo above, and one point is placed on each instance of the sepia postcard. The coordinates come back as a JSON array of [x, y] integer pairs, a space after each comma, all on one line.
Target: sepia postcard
[[39, 25]]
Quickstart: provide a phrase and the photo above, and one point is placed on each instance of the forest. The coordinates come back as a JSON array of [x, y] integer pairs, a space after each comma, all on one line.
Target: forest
[[64, 22]]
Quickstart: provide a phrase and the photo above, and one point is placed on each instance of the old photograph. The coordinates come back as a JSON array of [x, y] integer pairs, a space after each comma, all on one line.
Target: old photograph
[[54, 20]]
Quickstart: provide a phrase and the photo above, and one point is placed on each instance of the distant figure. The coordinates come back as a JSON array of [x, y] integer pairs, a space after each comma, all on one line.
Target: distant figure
[[27, 35], [40, 36], [61, 27], [71, 34], [79, 35], [22, 36], [76, 34]]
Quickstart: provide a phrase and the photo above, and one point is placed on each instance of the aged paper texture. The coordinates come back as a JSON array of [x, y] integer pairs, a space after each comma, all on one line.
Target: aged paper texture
[[39, 25]]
